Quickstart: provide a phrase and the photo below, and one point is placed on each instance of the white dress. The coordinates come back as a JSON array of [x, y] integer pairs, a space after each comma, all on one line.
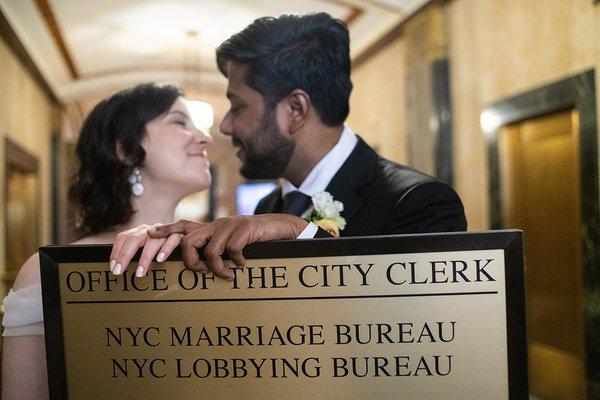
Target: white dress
[[23, 315]]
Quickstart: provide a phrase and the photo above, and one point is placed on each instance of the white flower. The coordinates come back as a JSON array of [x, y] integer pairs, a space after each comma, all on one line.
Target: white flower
[[325, 206], [325, 213]]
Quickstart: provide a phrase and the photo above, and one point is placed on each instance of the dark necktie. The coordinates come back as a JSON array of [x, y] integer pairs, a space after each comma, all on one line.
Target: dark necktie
[[296, 202]]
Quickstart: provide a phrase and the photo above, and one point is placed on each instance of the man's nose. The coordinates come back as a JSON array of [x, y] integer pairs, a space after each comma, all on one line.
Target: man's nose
[[226, 127]]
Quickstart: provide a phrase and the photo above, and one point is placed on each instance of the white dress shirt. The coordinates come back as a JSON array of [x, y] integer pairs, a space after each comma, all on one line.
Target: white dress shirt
[[321, 175]]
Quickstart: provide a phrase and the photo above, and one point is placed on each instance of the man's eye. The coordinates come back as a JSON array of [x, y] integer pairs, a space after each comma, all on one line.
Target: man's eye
[[182, 123]]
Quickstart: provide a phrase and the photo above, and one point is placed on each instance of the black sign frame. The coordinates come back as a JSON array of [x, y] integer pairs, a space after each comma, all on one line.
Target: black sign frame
[[510, 241]]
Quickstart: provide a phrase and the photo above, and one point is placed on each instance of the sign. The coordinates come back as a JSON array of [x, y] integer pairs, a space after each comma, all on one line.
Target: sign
[[418, 317]]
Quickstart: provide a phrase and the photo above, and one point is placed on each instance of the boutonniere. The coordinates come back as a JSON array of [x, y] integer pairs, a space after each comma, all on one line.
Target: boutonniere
[[325, 213]]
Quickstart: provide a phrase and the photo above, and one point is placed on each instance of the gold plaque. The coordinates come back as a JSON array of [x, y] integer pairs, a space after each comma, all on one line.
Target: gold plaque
[[412, 317]]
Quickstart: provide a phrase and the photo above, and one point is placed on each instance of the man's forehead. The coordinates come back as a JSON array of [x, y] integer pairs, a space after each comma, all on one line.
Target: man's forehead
[[236, 70], [235, 75], [236, 82]]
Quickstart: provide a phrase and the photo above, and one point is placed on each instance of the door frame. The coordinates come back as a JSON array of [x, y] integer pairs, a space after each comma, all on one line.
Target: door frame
[[17, 157], [577, 91]]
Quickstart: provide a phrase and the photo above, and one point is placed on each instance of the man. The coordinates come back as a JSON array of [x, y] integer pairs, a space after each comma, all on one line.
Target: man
[[289, 87]]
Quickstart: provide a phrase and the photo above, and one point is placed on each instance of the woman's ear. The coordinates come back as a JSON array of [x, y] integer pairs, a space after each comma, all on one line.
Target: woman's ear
[[298, 105], [121, 154]]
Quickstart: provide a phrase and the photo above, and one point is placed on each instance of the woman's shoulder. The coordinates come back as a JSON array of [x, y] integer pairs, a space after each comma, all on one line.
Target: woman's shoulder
[[29, 274], [98, 238], [23, 314]]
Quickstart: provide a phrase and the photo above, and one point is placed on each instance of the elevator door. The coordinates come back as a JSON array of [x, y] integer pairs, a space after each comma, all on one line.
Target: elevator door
[[540, 194]]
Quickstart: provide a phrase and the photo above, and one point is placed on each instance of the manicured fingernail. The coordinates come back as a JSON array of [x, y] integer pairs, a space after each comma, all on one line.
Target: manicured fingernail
[[112, 265], [139, 272], [117, 269], [160, 257]]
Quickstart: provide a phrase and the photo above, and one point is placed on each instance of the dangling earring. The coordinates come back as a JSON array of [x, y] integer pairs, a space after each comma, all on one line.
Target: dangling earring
[[136, 182]]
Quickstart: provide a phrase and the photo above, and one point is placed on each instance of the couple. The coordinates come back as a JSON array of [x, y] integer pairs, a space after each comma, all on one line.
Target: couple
[[289, 87]]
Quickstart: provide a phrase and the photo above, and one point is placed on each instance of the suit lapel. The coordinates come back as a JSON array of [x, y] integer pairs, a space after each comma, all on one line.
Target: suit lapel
[[342, 191], [271, 203], [356, 171]]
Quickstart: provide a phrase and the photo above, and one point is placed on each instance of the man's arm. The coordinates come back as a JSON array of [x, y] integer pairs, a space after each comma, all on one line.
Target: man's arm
[[427, 207]]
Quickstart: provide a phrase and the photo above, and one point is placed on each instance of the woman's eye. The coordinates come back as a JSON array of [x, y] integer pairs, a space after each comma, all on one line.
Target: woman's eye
[[182, 123]]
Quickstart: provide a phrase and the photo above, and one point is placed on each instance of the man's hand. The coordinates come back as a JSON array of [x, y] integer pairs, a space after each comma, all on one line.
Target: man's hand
[[227, 235]]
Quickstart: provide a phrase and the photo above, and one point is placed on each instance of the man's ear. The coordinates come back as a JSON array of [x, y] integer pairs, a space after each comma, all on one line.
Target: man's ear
[[298, 108]]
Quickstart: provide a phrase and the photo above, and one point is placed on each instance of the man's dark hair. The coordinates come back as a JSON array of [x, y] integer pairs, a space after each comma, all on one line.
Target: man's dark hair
[[309, 52]]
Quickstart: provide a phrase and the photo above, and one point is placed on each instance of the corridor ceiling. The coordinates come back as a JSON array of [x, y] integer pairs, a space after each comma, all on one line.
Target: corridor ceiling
[[83, 48]]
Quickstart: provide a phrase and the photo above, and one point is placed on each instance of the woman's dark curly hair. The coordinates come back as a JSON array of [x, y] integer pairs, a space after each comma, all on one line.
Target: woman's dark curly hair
[[100, 191]]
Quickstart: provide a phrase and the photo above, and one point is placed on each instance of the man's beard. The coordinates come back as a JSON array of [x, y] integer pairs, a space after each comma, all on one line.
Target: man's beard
[[268, 153]]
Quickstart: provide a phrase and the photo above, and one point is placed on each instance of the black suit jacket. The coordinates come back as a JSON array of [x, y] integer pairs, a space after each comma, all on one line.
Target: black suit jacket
[[381, 197]]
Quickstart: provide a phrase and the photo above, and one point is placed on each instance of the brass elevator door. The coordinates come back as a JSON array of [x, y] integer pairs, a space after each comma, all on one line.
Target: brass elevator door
[[540, 194]]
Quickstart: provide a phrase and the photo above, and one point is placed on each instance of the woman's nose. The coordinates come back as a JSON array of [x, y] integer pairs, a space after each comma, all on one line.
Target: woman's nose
[[202, 136]]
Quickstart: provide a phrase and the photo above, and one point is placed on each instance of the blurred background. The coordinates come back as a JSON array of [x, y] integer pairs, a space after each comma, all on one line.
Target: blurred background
[[496, 97]]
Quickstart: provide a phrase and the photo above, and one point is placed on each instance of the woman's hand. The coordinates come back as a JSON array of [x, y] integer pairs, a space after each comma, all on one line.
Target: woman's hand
[[128, 242]]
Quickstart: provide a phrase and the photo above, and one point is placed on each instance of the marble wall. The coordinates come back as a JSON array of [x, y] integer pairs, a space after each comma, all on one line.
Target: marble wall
[[378, 104], [27, 118], [496, 49], [499, 48]]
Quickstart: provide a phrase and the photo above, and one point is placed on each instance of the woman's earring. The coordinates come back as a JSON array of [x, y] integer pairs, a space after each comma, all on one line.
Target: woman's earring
[[136, 182]]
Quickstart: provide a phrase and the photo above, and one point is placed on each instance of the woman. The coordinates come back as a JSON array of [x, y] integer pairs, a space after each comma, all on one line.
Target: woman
[[140, 155]]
